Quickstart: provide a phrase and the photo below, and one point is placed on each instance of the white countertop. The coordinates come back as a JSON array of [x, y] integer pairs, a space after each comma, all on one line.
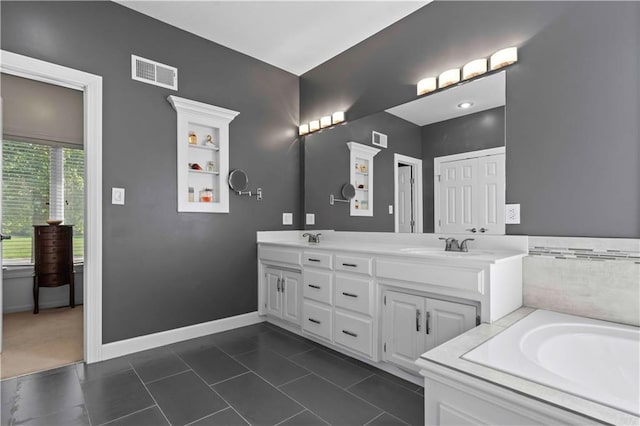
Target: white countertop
[[450, 354], [413, 251]]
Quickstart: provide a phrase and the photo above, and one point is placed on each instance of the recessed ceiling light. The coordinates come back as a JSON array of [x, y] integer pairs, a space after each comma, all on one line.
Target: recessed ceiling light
[[465, 105]]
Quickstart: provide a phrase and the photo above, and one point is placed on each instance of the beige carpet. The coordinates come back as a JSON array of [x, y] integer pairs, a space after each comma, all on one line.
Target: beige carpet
[[31, 343]]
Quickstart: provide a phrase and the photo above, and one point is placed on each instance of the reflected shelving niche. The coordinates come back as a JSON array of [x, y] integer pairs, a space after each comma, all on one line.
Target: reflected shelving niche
[[203, 155], [361, 177]]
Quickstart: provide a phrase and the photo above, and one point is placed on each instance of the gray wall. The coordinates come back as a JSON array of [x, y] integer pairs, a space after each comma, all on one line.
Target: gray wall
[[573, 156], [473, 132], [161, 269], [326, 167]]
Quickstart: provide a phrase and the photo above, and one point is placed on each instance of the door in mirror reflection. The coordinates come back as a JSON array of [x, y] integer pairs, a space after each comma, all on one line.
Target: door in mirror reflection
[[470, 192]]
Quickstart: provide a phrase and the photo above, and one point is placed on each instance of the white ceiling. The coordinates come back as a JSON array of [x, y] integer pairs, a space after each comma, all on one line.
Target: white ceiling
[[293, 35], [485, 93]]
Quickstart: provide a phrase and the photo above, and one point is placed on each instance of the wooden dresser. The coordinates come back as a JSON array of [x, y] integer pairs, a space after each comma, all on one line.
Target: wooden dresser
[[53, 257]]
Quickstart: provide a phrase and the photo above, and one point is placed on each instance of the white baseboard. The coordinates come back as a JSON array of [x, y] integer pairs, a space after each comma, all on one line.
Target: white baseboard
[[150, 341]]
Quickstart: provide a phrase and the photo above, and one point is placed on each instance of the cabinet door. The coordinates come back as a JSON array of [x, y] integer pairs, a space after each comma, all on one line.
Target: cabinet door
[[446, 320], [491, 195], [402, 323], [274, 300], [291, 296]]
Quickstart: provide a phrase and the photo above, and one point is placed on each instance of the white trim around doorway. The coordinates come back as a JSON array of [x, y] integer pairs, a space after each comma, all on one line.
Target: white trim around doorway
[[416, 165], [91, 86]]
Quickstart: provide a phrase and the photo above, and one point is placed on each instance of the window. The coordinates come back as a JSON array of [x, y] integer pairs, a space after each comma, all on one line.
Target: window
[[40, 182]]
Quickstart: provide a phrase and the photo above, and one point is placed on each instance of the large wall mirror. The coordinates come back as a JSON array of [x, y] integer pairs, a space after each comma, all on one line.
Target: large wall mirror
[[462, 128]]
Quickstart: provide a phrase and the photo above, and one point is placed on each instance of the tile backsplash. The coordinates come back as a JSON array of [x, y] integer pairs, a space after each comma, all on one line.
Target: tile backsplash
[[591, 277]]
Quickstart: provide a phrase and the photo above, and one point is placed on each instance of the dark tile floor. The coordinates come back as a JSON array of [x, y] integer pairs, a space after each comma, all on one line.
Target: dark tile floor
[[258, 375]]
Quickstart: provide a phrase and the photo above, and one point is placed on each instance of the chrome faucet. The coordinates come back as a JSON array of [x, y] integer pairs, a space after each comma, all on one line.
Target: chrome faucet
[[451, 244], [313, 238]]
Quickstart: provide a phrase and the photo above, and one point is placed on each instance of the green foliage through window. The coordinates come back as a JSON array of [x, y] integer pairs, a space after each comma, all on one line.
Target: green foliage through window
[[26, 181]]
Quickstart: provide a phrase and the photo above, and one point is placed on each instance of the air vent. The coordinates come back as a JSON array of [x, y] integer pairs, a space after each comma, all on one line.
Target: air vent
[[379, 139], [153, 72]]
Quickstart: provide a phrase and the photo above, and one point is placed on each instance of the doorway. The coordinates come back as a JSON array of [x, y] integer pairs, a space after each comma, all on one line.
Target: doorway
[[407, 194], [91, 87]]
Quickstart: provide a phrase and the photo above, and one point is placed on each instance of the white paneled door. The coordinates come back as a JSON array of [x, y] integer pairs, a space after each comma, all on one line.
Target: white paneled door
[[470, 192], [405, 199]]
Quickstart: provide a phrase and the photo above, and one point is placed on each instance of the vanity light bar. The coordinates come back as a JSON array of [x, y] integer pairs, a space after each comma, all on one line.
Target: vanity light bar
[[324, 122], [500, 59]]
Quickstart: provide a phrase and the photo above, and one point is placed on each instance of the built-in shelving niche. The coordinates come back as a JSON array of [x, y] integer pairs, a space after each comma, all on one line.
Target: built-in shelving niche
[[361, 177], [202, 139]]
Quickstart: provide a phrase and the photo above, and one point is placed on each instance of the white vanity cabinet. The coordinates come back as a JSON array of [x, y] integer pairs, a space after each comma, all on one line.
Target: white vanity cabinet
[[279, 293], [283, 293], [412, 325]]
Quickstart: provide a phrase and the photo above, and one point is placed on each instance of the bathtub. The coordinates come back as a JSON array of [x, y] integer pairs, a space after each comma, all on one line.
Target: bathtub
[[593, 359]]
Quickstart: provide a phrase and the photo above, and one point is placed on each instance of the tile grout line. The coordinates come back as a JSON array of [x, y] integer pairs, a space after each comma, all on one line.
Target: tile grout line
[[229, 378], [209, 415], [149, 392], [127, 415], [360, 381], [166, 377], [291, 417], [293, 380], [376, 417]]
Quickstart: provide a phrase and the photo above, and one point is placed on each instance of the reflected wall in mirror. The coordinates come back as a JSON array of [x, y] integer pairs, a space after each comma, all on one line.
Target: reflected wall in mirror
[[429, 127]]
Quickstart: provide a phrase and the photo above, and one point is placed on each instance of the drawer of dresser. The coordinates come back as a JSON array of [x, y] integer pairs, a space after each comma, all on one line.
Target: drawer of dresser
[[52, 268], [55, 242], [52, 280], [362, 265], [353, 332], [317, 259], [316, 319], [55, 257], [52, 249], [317, 286], [355, 294], [280, 255]]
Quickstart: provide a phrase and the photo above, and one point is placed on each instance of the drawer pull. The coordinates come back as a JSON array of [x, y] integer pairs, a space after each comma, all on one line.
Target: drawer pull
[[314, 286], [311, 259], [350, 333], [351, 265], [315, 321], [349, 294]]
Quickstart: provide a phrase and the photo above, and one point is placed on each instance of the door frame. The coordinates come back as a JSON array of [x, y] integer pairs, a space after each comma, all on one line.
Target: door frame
[[437, 161], [91, 86], [416, 165]]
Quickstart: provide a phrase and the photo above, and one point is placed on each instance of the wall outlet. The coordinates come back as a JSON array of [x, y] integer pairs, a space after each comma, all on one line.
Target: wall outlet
[[310, 219], [117, 196], [390, 209], [512, 214], [287, 218]]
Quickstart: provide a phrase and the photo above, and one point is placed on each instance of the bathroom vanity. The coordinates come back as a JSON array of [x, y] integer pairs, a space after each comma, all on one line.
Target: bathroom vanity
[[386, 298]]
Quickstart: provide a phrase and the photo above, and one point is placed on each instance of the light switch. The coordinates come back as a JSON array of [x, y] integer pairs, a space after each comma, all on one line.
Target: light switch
[[117, 196], [287, 218], [390, 209], [310, 219], [512, 214]]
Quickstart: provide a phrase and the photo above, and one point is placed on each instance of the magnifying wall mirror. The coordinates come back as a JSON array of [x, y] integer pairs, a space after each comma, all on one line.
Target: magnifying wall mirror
[[239, 182], [348, 192]]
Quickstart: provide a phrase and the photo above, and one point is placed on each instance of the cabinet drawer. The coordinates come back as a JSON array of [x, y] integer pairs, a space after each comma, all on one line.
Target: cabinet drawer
[[53, 280], [352, 332], [458, 278], [316, 319], [355, 294], [52, 268], [280, 255], [52, 250], [357, 264], [59, 257], [56, 242], [317, 286], [319, 260]]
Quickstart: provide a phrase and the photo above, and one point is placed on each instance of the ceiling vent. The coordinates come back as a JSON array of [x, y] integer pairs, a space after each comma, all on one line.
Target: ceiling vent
[[155, 73]]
